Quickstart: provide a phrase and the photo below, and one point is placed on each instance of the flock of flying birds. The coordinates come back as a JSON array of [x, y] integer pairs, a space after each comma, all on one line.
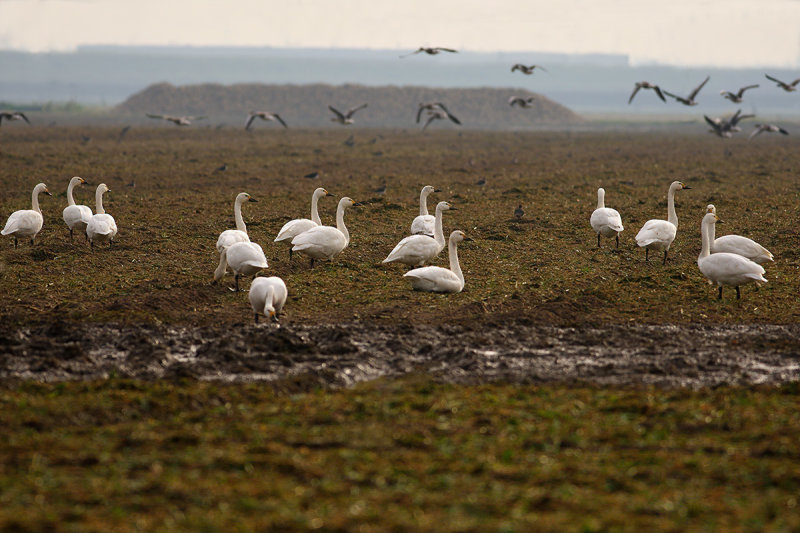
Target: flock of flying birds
[[723, 127]]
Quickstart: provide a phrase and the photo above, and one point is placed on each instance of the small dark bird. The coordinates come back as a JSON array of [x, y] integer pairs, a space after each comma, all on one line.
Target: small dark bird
[[381, 190], [690, 99], [223, 168], [263, 115], [769, 128], [85, 139], [351, 141], [345, 118], [736, 98], [521, 102], [646, 85], [13, 115], [527, 69], [788, 87], [481, 182], [518, 212], [312, 176], [430, 51], [185, 120], [122, 133]]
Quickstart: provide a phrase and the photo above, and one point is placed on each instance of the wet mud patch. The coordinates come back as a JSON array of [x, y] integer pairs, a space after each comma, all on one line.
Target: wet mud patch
[[341, 355]]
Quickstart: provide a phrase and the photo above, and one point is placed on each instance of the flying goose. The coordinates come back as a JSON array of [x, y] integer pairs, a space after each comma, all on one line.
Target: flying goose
[[434, 106], [184, 120], [345, 118], [788, 87], [263, 115], [527, 69], [726, 127], [690, 99], [646, 85], [430, 51], [520, 101], [736, 98], [13, 115], [439, 115], [769, 128]]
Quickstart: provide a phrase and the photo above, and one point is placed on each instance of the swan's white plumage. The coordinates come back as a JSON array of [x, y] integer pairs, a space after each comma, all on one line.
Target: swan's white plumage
[[736, 244], [658, 234], [26, 223], [231, 236], [438, 279], [424, 223], [76, 217], [267, 296], [101, 227], [725, 269], [324, 242], [295, 227], [604, 220], [417, 250], [245, 258]]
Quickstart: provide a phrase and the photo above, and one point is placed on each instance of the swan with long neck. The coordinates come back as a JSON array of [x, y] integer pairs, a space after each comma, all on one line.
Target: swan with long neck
[[725, 268], [324, 242], [244, 259], [438, 279], [76, 216], [295, 227], [232, 236], [736, 244], [604, 220], [416, 250], [267, 296], [424, 224], [658, 234], [101, 227], [26, 223]]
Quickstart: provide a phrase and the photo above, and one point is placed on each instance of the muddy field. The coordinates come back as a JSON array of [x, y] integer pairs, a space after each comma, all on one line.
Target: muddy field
[[541, 303]]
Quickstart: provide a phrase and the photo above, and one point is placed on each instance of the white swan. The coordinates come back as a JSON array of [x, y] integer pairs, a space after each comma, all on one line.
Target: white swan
[[438, 279], [267, 296], [295, 227], [604, 220], [231, 236], [76, 216], [244, 258], [736, 244], [725, 268], [324, 242], [27, 222], [658, 234], [424, 224], [101, 227], [416, 250]]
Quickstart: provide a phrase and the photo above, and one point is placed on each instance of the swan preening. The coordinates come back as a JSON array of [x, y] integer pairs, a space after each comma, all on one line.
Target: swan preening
[[725, 268], [438, 279], [26, 223], [267, 296], [604, 220], [243, 258], [101, 227], [295, 227], [736, 244], [658, 234], [324, 242], [424, 224], [416, 250], [232, 236], [76, 216]]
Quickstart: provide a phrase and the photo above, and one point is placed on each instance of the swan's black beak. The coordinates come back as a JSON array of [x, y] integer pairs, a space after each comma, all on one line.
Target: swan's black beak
[[720, 221], [437, 190], [273, 316], [468, 239], [358, 204], [328, 194], [47, 192], [451, 208], [686, 187], [251, 199]]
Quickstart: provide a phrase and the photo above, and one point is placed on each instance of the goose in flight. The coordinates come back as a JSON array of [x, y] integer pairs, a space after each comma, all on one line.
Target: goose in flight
[[690, 99], [788, 87], [13, 115], [736, 97], [646, 85], [435, 106], [439, 115], [726, 127], [769, 128], [524, 103], [184, 120], [263, 115], [432, 51], [527, 69], [345, 118]]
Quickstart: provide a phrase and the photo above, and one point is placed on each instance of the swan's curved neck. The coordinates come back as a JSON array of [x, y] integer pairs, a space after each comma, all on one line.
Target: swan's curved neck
[[98, 196], [452, 250], [35, 200], [423, 202], [268, 300], [672, 217], [70, 199], [601, 198], [340, 223], [314, 211], [438, 231], [237, 215], [705, 234]]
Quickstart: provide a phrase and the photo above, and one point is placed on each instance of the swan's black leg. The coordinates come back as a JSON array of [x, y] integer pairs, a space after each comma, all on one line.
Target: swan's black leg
[[719, 296], [647, 255], [91, 245], [255, 315], [15, 243], [738, 294], [32, 242], [70, 234], [598, 240], [312, 262], [665, 257], [290, 253], [617, 240], [236, 277]]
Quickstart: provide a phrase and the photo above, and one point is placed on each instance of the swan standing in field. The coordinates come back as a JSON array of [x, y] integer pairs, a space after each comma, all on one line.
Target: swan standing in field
[[725, 268], [438, 279], [267, 296], [231, 236], [26, 223], [76, 216], [604, 220], [658, 234], [416, 250], [424, 224], [324, 242], [736, 244], [244, 258], [101, 227], [295, 227]]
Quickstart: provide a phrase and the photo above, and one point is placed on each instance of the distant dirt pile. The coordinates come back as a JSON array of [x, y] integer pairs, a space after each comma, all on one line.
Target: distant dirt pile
[[306, 105]]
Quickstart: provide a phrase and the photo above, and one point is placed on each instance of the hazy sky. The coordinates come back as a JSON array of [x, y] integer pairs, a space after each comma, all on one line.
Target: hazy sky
[[736, 33]]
